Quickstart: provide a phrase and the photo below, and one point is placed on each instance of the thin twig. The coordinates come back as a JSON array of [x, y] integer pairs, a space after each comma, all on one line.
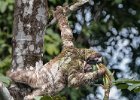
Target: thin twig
[[69, 9], [78, 4]]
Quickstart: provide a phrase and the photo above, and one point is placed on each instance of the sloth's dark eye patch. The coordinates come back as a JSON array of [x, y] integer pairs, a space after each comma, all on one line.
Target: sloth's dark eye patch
[[94, 59]]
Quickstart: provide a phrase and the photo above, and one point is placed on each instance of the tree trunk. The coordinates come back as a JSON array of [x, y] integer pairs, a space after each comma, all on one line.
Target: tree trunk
[[30, 19]]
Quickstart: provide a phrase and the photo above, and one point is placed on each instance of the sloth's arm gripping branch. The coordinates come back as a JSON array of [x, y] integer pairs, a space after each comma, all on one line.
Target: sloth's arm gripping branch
[[66, 32], [78, 79]]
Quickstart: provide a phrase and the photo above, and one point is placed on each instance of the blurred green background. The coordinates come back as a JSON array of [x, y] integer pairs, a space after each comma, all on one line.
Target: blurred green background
[[108, 26]]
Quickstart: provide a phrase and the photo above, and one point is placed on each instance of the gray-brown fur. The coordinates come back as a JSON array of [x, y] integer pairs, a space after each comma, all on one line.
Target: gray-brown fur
[[67, 69]]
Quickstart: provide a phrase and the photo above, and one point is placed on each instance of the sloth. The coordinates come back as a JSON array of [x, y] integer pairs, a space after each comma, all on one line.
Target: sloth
[[72, 68]]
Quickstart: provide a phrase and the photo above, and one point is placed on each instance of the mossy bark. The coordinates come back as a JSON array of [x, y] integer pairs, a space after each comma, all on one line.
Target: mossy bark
[[30, 19]]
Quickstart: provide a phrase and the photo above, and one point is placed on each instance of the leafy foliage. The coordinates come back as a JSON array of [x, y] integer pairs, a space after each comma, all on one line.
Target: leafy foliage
[[6, 20], [130, 84], [5, 80], [52, 45], [52, 41]]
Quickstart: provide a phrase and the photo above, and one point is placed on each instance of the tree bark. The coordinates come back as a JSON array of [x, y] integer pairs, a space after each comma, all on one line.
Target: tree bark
[[30, 18]]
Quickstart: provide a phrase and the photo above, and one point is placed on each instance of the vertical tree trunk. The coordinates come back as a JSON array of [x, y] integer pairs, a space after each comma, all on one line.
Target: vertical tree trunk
[[30, 18]]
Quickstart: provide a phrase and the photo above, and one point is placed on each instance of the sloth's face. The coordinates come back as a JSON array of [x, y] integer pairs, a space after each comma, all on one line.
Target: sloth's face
[[94, 59]]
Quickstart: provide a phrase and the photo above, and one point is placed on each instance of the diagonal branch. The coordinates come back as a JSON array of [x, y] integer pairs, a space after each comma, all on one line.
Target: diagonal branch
[[69, 9]]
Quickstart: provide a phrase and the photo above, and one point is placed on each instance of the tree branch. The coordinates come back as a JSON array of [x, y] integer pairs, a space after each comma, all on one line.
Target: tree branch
[[69, 9], [77, 5]]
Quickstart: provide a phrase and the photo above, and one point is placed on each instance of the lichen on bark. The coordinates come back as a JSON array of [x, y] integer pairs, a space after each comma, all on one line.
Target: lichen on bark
[[29, 23]]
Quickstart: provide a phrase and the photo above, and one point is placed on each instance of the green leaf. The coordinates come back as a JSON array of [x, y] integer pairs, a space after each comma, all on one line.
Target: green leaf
[[122, 86], [48, 39], [51, 49], [137, 89], [52, 37], [38, 97], [118, 1], [53, 1], [3, 6], [133, 86], [10, 1], [5, 80], [5, 62], [74, 94], [59, 98], [125, 80], [46, 98], [10, 7]]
